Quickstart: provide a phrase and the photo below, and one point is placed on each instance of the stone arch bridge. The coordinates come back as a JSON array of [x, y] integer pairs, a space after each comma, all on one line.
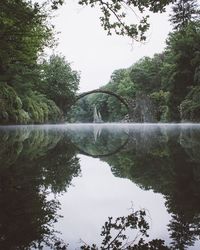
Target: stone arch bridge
[[139, 109], [129, 105]]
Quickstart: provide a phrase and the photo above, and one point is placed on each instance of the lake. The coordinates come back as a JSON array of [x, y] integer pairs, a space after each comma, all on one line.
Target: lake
[[60, 183]]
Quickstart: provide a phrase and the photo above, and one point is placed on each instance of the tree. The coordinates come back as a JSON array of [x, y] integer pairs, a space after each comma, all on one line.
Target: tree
[[168, 162], [60, 82], [24, 32], [82, 111], [114, 14], [146, 73], [183, 52], [184, 12], [134, 221], [39, 161], [190, 107]]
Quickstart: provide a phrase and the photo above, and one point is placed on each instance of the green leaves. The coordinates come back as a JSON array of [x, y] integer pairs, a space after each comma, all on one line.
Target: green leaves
[[115, 13], [11, 110], [182, 52], [55, 4], [114, 233], [190, 107], [184, 12], [114, 17], [60, 82], [24, 33]]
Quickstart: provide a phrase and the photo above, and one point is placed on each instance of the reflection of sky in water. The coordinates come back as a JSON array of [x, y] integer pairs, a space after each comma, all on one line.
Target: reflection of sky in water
[[96, 195]]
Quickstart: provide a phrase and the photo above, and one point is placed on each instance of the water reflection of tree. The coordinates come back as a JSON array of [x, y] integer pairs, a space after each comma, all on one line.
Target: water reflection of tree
[[158, 160], [114, 233], [183, 201], [32, 163], [97, 141]]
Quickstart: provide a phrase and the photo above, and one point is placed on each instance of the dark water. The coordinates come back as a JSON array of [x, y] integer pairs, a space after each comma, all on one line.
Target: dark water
[[59, 183]]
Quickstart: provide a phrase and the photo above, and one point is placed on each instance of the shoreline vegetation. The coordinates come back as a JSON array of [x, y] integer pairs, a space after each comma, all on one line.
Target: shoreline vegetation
[[44, 161], [35, 89]]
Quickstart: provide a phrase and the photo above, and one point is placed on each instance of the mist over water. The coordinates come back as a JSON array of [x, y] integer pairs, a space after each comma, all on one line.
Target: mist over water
[[87, 172]]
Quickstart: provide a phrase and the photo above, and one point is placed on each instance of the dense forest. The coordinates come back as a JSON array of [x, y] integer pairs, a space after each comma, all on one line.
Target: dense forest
[[35, 88], [163, 88], [46, 160], [168, 163], [38, 162]]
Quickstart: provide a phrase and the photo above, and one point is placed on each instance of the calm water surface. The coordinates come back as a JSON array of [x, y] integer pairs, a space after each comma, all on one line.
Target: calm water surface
[[60, 183]]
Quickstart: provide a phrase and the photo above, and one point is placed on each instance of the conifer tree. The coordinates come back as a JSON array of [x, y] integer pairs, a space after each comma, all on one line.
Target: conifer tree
[[184, 12]]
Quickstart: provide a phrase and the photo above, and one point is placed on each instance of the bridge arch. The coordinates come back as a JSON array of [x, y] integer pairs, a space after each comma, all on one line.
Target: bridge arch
[[121, 147], [121, 99]]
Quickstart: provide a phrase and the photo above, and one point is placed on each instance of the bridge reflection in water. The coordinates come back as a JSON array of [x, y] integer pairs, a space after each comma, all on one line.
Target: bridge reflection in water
[[160, 159]]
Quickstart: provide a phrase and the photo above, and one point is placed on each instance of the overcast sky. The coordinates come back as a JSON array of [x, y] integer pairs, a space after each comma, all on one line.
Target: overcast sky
[[86, 45]]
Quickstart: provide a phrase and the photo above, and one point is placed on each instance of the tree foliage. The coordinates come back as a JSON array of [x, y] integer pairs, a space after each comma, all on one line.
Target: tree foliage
[[114, 15], [39, 161], [24, 34], [166, 161], [183, 52], [135, 221], [26, 97], [45, 89], [164, 87], [184, 12], [60, 82], [109, 106]]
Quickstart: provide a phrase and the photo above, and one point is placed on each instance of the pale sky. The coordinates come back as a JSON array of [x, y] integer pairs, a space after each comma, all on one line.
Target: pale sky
[[86, 45]]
